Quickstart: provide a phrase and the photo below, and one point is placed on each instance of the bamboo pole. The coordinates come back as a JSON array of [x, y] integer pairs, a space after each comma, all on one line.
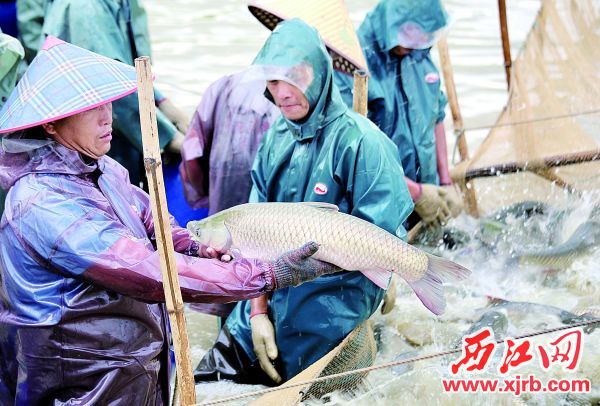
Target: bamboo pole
[[162, 229], [360, 98], [505, 39], [533, 166], [448, 73], [467, 189]]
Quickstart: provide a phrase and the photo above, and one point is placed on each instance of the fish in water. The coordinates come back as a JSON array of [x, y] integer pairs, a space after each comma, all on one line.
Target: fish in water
[[267, 230], [528, 308], [585, 238]]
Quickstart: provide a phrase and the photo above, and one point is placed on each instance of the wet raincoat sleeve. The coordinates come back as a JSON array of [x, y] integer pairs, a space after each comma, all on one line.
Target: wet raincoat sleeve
[[102, 27], [84, 242]]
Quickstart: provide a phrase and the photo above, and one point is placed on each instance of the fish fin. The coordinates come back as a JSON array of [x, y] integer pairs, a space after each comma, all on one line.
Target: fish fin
[[379, 277], [321, 205], [429, 288]]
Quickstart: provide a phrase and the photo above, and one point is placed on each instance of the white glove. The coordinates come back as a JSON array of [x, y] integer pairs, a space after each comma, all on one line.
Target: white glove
[[263, 338]]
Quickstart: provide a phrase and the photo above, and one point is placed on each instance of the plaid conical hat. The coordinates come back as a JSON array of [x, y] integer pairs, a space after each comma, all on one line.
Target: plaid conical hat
[[329, 17], [64, 80]]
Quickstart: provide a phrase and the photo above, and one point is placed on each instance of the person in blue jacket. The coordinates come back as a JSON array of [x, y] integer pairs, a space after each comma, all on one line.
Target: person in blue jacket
[[316, 151], [405, 99]]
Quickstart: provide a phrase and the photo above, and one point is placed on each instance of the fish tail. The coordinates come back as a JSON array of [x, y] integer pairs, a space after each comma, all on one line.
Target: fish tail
[[429, 288]]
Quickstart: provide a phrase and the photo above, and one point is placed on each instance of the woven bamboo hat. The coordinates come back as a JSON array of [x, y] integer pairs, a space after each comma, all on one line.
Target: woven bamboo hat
[[329, 17], [64, 80]]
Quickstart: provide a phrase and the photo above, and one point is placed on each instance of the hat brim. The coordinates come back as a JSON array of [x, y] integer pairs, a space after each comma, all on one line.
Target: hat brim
[[341, 61]]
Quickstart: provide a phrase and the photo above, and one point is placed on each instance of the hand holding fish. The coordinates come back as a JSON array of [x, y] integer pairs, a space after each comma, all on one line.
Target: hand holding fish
[[205, 251], [296, 267]]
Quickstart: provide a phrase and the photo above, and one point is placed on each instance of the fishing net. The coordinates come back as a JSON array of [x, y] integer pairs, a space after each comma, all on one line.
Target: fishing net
[[357, 351], [545, 142]]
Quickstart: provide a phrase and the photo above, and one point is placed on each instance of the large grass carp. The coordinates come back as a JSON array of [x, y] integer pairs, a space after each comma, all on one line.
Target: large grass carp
[[267, 230]]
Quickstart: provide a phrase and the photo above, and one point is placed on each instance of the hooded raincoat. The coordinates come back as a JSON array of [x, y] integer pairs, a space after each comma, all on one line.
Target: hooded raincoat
[[221, 143], [405, 99], [333, 156], [81, 318], [117, 29]]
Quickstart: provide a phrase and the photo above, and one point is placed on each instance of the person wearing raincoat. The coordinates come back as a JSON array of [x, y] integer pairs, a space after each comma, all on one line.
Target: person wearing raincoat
[[221, 142], [405, 99], [11, 53], [118, 29], [317, 151], [219, 148], [81, 313]]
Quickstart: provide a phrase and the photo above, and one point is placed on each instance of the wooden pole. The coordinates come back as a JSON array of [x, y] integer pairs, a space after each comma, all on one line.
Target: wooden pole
[[468, 189], [533, 166], [162, 230], [448, 73], [360, 98], [505, 40]]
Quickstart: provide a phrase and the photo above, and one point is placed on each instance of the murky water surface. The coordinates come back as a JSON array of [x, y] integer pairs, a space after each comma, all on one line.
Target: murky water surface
[[197, 41]]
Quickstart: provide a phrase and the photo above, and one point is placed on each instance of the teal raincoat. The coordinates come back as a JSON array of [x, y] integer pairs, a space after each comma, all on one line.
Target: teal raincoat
[[30, 19], [334, 156], [117, 29], [405, 99], [11, 53]]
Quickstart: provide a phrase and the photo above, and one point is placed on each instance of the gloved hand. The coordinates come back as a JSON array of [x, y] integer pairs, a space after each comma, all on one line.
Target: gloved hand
[[297, 266], [454, 199], [389, 300], [175, 115], [432, 205], [263, 338]]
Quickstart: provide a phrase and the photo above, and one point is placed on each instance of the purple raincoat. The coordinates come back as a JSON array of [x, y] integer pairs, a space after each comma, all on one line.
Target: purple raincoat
[[221, 143], [80, 291]]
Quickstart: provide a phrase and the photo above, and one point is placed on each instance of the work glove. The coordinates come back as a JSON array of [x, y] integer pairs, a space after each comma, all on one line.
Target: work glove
[[263, 338], [175, 115], [297, 266], [454, 200], [432, 205], [389, 300]]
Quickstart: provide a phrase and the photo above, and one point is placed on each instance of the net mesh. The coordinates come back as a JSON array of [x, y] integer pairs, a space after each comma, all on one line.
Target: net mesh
[[555, 84]]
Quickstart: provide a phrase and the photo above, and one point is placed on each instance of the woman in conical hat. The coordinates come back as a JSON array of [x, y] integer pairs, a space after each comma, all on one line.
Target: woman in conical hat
[[81, 314]]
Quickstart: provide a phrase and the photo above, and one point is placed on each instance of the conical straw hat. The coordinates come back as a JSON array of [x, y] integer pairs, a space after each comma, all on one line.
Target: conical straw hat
[[329, 17], [64, 80]]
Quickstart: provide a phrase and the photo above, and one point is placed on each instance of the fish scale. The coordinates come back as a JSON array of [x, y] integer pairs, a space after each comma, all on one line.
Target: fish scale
[[267, 230]]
